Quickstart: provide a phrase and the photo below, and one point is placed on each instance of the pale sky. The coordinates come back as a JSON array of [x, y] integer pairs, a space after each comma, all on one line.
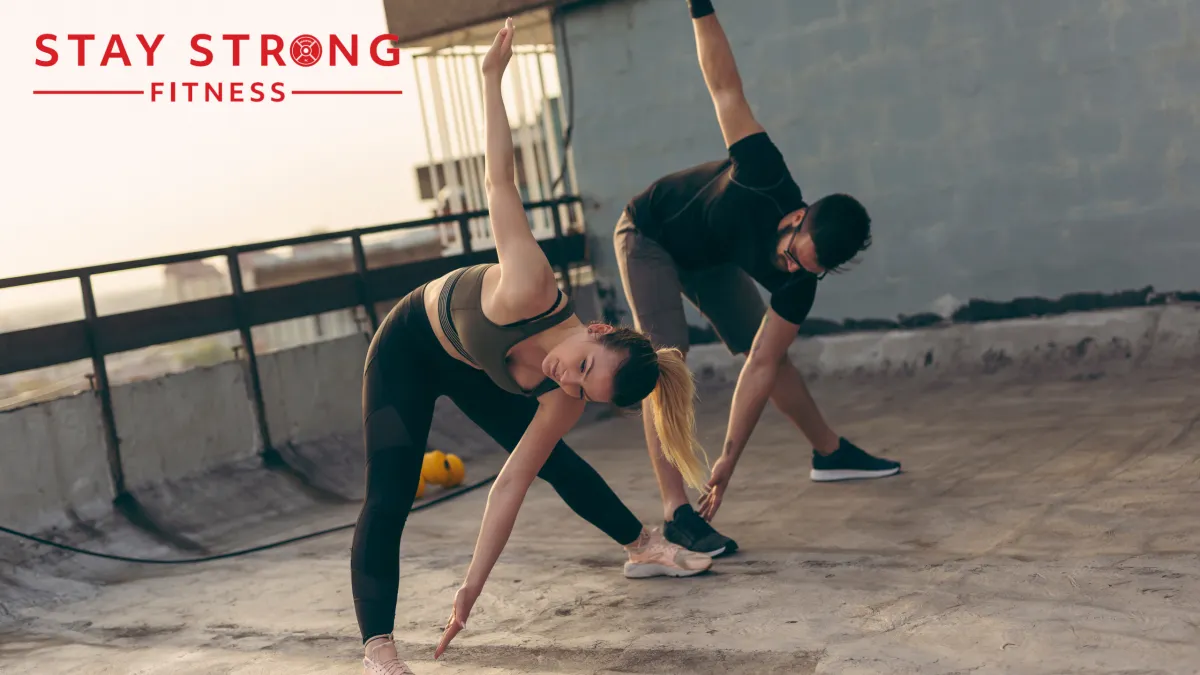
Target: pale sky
[[92, 179]]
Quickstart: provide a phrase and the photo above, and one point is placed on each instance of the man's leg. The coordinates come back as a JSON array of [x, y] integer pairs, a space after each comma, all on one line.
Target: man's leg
[[655, 297], [655, 294], [834, 458], [792, 398], [730, 300], [670, 481]]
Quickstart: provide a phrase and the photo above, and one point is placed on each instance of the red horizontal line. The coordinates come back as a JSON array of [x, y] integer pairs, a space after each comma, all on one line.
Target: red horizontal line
[[89, 91], [346, 92]]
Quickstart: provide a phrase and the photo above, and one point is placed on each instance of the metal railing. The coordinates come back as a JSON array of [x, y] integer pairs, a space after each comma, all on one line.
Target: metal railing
[[95, 336]]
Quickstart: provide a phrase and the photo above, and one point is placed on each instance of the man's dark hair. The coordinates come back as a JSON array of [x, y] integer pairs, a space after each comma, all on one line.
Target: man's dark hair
[[840, 228]]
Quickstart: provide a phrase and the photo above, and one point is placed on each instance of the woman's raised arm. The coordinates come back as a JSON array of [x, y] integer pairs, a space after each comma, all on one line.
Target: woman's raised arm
[[525, 273]]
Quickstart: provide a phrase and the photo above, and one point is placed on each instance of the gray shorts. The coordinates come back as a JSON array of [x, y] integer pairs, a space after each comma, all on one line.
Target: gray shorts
[[655, 288]]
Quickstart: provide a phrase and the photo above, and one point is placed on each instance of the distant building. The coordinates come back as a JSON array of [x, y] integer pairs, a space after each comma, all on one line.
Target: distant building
[[194, 280]]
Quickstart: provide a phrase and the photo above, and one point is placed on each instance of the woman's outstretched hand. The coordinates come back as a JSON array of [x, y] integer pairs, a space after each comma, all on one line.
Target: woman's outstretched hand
[[464, 600], [496, 59]]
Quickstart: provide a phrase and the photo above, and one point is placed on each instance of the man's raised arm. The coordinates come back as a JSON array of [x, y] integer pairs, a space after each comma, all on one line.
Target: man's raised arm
[[721, 74]]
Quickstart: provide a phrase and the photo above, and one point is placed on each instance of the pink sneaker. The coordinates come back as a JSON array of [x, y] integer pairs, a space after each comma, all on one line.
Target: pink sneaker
[[381, 658], [653, 556]]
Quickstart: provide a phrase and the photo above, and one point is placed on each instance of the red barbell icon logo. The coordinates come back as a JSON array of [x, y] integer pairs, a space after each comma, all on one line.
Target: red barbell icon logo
[[306, 50]]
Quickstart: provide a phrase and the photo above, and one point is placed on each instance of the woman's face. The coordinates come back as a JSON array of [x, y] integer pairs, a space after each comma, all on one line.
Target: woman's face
[[583, 367]]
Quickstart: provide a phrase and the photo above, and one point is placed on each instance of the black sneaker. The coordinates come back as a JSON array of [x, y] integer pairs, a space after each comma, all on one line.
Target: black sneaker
[[850, 462], [689, 530]]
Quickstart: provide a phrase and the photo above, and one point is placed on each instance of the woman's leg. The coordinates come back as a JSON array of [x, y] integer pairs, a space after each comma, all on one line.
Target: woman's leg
[[398, 405], [505, 416]]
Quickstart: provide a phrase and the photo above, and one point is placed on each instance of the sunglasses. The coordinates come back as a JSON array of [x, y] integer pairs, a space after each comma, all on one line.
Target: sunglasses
[[787, 251]]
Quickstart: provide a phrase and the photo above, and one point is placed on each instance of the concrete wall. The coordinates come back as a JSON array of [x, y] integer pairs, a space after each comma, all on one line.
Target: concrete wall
[[181, 425], [314, 391], [1087, 345], [313, 398], [191, 452], [176, 431], [190, 446], [52, 461], [1004, 147]]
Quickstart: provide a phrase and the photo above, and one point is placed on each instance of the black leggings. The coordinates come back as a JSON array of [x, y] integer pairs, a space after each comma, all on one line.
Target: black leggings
[[407, 371]]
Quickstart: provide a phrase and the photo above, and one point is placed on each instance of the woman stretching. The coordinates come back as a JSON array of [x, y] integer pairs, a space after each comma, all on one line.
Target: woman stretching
[[503, 342]]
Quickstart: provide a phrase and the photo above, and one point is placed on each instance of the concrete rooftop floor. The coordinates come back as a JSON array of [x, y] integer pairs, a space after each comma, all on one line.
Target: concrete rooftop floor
[[1038, 528]]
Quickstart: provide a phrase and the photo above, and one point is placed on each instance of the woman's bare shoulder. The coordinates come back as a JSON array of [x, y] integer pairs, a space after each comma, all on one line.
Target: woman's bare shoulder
[[515, 301]]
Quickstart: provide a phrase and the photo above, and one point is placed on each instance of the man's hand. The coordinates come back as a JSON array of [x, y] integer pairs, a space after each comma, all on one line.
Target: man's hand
[[722, 471], [464, 600], [754, 386]]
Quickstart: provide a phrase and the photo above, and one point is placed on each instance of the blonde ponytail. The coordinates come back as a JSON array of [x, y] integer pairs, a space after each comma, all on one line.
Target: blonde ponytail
[[673, 399]]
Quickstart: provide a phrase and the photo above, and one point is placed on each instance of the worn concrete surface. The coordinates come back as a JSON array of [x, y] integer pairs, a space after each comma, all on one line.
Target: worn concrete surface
[[1038, 528]]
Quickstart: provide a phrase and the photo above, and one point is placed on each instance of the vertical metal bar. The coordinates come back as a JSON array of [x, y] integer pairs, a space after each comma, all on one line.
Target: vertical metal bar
[[455, 97], [471, 62], [533, 182], [433, 177], [464, 228], [550, 137], [558, 23], [364, 281], [552, 142], [471, 173], [532, 126], [260, 409], [483, 100], [115, 467], [564, 267], [451, 163]]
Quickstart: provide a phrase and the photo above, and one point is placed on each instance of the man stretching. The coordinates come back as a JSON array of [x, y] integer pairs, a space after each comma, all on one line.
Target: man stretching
[[709, 232]]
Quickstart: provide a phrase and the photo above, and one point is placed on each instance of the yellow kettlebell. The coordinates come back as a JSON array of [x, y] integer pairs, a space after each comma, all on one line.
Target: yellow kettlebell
[[455, 471], [433, 467], [420, 487]]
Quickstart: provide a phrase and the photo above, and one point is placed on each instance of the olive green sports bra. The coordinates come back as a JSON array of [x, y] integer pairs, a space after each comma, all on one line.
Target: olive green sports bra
[[483, 342]]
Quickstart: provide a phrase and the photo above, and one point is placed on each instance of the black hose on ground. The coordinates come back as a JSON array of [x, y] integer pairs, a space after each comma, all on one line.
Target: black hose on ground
[[233, 554]]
